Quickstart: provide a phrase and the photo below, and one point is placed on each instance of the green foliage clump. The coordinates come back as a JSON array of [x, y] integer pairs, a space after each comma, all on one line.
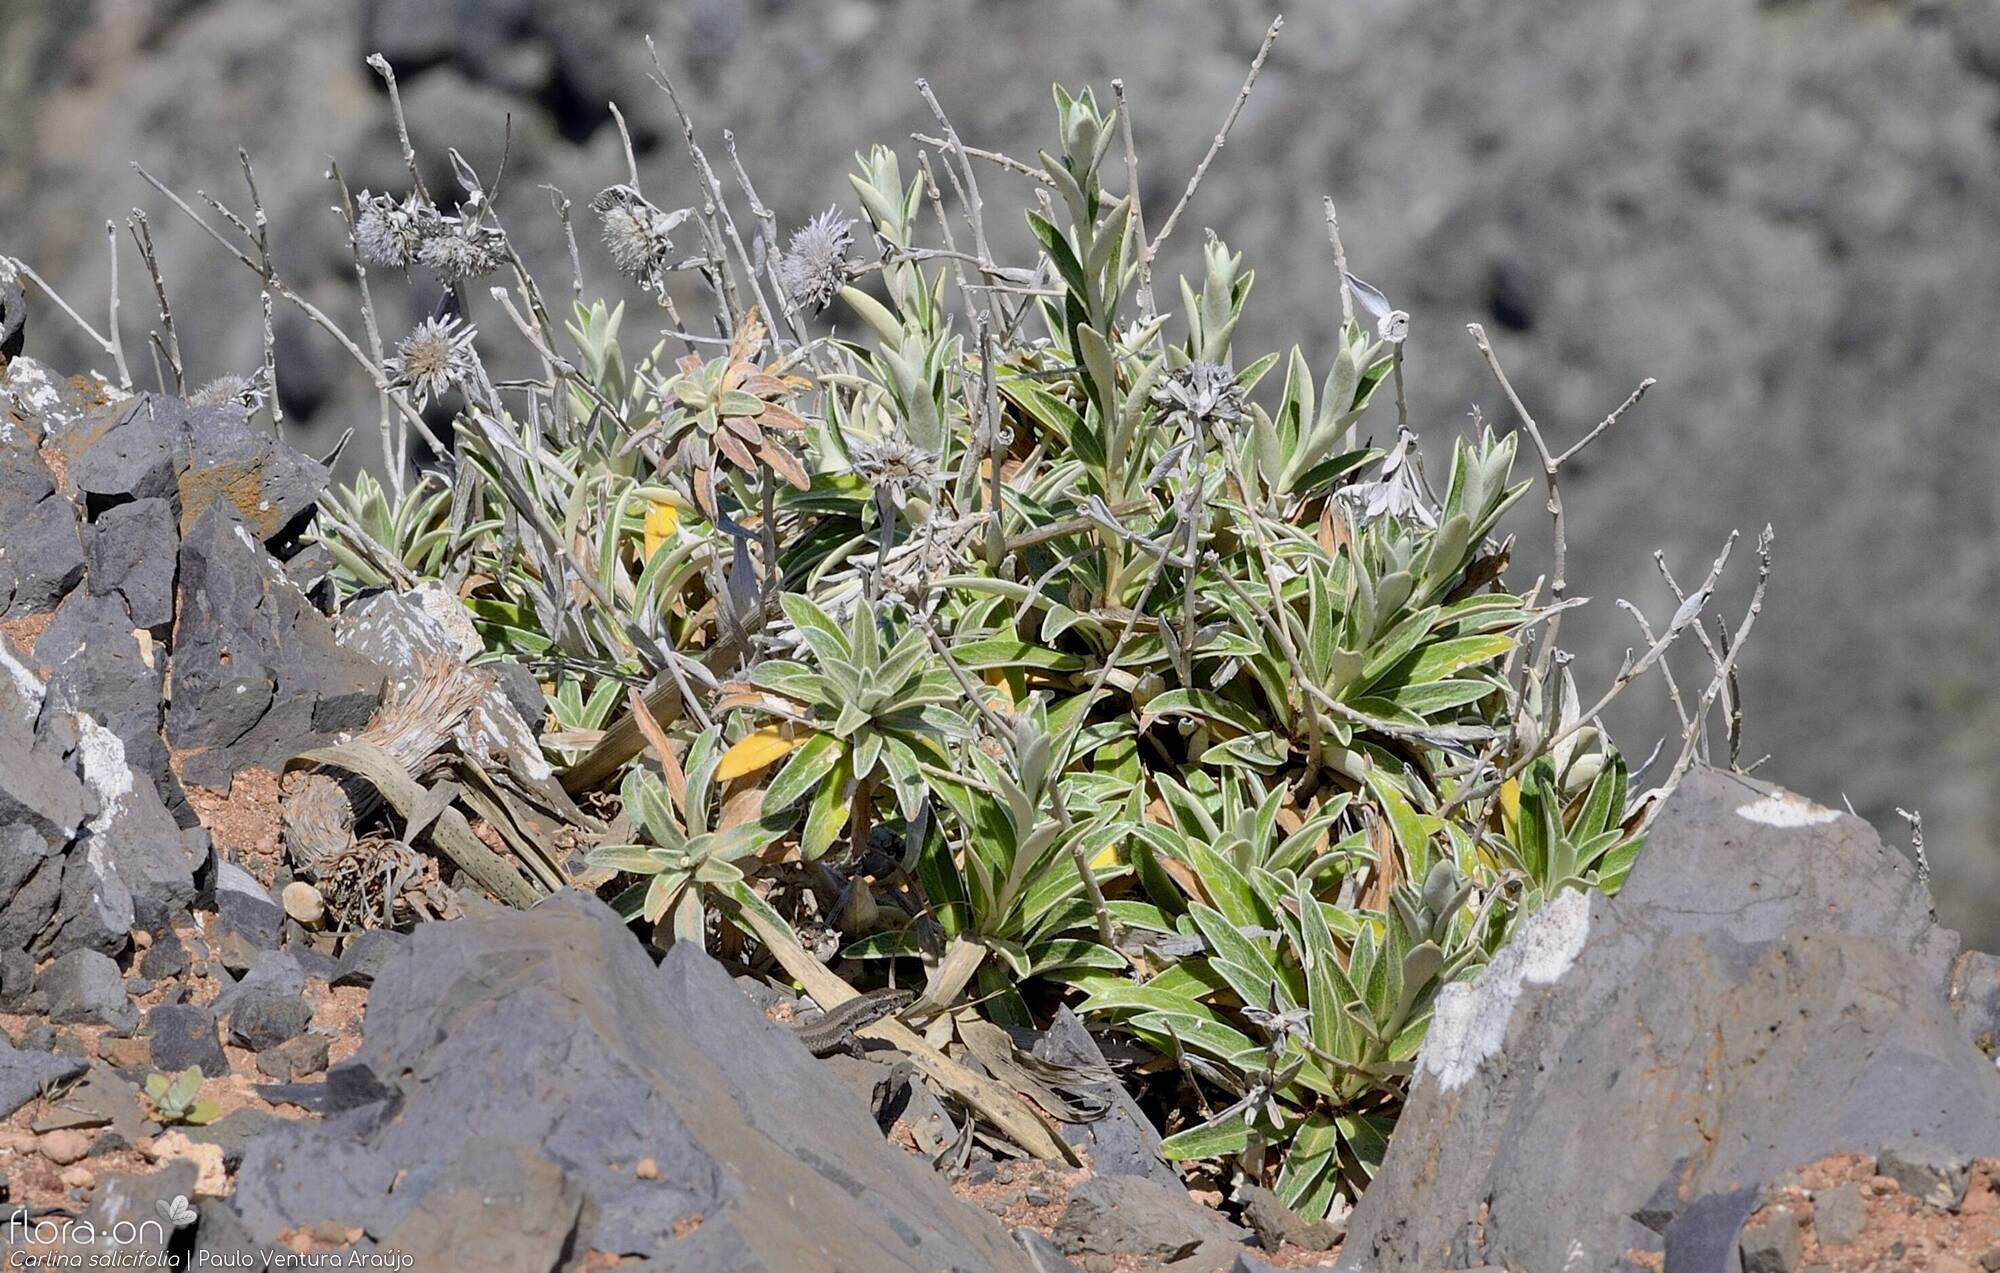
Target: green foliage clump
[[1003, 628], [174, 1099]]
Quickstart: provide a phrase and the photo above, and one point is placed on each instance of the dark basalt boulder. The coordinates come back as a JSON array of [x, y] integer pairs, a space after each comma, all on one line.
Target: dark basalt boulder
[[1768, 989], [547, 1040], [41, 551], [258, 676]]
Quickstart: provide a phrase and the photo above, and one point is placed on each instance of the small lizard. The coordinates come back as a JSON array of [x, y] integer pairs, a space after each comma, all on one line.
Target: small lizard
[[834, 1031]]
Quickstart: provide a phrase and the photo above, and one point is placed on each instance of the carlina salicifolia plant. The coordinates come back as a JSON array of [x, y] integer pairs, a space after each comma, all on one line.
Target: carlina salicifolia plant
[[1005, 625]]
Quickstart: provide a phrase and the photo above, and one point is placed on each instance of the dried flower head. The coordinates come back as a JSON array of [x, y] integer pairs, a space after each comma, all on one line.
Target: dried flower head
[[1398, 493], [1203, 391], [244, 391], [434, 357], [389, 232], [455, 249], [814, 267], [896, 465], [637, 233]]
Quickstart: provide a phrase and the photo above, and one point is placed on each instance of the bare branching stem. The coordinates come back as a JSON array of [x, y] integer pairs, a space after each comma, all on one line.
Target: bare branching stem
[[1215, 146], [142, 236]]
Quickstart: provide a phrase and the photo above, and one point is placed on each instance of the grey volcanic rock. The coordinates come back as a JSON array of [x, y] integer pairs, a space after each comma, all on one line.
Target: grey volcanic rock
[[264, 1019], [127, 451], [130, 551], [1975, 997], [1122, 1142], [501, 1205], [551, 1032], [26, 1073], [271, 486], [97, 666], [41, 552], [39, 791], [1133, 1215], [183, 1034], [1761, 938], [131, 862], [86, 987], [257, 675]]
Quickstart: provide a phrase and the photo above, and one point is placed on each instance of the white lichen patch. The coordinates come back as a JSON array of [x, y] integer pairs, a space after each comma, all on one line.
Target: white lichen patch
[[26, 683], [1469, 1020], [104, 769], [1783, 809]]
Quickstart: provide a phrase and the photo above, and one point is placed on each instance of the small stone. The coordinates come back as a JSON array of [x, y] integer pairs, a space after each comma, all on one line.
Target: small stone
[[263, 1019], [647, 1169], [303, 903], [17, 982], [1839, 1215], [165, 959], [212, 1178], [64, 1147], [1989, 1259], [1932, 1174], [365, 956], [180, 1035], [86, 987], [295, 1059], [124, 1054], [232, 1133], [39, 1037], [1771, 1244]]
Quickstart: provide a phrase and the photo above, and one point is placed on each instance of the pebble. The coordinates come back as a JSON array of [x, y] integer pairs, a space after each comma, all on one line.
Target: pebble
[[64, 1146], [211, 1176], [647, 1169]]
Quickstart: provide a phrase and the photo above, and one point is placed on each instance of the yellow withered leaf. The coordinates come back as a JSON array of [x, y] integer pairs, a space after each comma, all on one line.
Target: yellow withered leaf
[[1510, 805], [662, 519], [754, 751]]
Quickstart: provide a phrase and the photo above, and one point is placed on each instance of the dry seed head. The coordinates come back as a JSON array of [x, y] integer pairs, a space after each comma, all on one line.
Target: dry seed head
[[456, 250], [897, 465], [436, 355], [814, 267], [244, 391], [389, 232], [637, 233]]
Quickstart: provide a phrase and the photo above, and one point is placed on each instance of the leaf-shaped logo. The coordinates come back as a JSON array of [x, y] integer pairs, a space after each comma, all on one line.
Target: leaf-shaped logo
[[177, 1210]]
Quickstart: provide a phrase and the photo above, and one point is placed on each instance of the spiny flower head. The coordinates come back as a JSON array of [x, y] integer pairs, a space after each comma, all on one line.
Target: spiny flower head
[[637, 233], [245, 391], [895, 464], [814, 267], [456, 249], [389, 232], [1203, 391], [435, 356]]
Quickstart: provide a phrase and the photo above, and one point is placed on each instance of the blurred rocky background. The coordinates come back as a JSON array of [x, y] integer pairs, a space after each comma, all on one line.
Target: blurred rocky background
[[1788, 212]]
